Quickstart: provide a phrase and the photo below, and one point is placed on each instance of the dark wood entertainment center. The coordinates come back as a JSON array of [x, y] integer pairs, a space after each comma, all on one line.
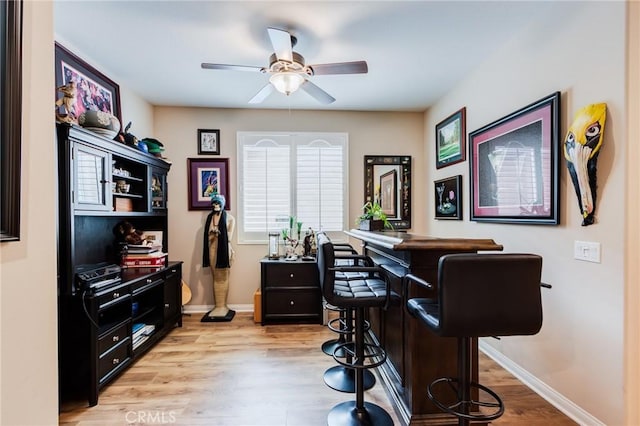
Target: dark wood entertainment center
[[96, 324]]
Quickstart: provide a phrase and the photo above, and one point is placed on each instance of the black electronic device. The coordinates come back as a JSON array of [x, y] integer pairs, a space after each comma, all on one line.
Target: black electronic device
[[97, 276]]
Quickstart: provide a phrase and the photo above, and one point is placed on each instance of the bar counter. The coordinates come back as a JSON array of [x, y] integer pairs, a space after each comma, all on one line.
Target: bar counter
[[416, 357]]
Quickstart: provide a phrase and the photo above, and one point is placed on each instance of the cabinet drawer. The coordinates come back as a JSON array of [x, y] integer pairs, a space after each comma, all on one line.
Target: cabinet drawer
[[112, 296], [114, 359], [113, 337], [293, 302], [294, 275], [146, 284]]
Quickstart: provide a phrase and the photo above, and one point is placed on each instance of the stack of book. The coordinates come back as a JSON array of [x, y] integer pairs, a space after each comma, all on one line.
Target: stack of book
[[141, 333], [143, 256]]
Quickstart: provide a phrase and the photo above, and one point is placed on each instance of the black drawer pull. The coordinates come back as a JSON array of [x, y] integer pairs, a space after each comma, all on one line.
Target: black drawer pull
[[116, 295], [291, 303], [291, 276]]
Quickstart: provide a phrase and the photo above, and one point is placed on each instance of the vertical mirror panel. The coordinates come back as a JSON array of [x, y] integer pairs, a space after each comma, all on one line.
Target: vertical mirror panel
[[387, 181]]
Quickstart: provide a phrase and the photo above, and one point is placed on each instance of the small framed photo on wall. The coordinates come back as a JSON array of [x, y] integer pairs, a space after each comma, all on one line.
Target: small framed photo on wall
[[208, 142], [450, 136], [448, 198]]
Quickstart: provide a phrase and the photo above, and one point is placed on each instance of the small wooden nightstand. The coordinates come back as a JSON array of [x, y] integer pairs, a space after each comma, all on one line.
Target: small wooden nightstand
[[290, 292]]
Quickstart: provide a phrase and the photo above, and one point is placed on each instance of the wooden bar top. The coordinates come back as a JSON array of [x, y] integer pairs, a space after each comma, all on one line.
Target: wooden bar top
[[404, 241]]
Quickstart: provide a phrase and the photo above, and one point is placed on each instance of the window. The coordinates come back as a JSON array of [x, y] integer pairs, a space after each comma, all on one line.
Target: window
[[291, 174]]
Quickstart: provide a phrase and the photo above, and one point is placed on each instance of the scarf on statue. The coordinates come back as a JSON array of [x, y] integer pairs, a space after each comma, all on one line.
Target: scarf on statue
[[222, 258]]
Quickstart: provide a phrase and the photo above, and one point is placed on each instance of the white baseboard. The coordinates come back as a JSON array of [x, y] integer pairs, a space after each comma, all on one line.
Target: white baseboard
[[203, 309], [556, 399]]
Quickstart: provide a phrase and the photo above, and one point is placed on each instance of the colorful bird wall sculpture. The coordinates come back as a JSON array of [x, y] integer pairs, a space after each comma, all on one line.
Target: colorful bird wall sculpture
[[581, 149]]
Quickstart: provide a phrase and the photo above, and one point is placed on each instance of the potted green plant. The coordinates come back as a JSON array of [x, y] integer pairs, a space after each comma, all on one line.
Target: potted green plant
[[373, 218]]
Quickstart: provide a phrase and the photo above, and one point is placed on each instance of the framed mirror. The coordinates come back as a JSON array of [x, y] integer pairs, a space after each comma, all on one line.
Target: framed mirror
[[387, 181]]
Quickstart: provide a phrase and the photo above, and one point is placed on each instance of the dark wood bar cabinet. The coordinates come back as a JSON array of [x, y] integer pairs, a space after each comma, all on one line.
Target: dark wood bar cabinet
[[416, 357]]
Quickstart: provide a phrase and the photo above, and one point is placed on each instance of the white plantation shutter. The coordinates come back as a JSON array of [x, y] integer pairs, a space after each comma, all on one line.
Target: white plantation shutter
[[320, 185], [282, 175]]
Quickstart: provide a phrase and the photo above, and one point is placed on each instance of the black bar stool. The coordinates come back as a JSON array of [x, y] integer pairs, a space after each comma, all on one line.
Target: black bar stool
[[358, 295], [340, 377], [479, 295], [348, 256]]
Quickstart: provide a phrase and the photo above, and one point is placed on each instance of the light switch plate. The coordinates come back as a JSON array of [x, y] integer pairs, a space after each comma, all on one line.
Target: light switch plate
[[587, 250]]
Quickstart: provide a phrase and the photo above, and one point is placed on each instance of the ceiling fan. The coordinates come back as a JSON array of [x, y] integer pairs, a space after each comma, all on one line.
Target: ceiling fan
[[289, 72]]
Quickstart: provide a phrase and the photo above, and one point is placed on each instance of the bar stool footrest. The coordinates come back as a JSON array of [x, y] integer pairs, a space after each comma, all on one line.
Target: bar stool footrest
[[371, 352], [462, 408]]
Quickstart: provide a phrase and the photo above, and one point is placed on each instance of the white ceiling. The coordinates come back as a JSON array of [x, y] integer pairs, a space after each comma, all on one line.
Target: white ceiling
[[416, 50]]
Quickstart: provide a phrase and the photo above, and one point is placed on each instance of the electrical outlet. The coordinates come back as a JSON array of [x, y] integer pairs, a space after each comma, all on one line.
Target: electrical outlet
[[586, 250]]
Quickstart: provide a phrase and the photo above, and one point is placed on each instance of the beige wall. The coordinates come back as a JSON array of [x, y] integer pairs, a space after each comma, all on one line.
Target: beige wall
[[632, 295], [579, 350], [370, 133], [28, 324]]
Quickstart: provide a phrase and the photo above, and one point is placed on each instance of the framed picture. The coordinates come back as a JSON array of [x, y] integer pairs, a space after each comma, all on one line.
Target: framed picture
[[208, 142], [94, 90], [205, 178], [394, 173], [389, 193], [450, 136], [514, 166], [10, 119], [448, 198]]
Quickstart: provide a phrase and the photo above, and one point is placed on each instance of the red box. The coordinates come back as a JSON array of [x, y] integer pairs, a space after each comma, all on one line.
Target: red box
[[138, 262]]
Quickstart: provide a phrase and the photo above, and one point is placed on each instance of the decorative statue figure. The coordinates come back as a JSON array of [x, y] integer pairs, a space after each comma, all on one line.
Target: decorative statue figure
[[581, 149], [218, 255], [68, 102]]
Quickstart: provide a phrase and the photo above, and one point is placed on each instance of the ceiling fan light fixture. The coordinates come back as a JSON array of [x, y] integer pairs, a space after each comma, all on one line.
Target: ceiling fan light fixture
[[286, 82]]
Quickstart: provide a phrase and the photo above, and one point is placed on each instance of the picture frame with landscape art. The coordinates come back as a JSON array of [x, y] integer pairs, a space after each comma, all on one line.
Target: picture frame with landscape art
[[94, 90], [448, 198], [450, 139], [206, 177], [514, 166]]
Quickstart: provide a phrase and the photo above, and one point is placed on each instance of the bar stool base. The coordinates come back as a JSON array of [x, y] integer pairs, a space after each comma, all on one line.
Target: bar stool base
[[344, 380], [346, 414]]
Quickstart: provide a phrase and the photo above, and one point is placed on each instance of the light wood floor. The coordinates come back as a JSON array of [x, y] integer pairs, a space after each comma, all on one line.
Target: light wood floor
[[243, 374]]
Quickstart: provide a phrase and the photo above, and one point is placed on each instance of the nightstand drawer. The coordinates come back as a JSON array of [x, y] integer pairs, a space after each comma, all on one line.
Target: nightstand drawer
[[113, 337], [293, 275], [295, 302]]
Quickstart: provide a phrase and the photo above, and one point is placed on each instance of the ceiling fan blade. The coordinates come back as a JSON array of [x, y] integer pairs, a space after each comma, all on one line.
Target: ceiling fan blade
[[319, 94], [208, 66], [262, 94], [281, 42], [355, 67]]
